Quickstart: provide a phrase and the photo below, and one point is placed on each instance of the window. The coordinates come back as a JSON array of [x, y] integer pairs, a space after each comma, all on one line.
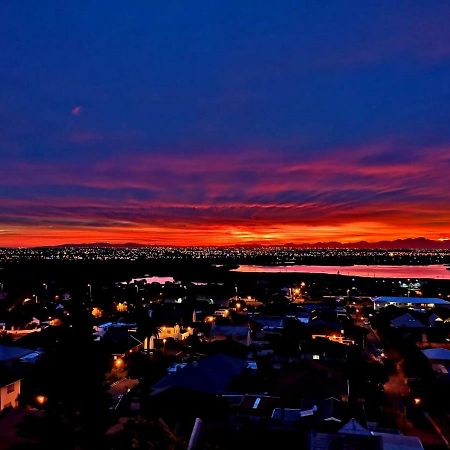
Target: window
[[10, 388]]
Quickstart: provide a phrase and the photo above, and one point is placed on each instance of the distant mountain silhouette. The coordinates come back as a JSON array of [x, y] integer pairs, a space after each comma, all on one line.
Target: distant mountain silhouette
[[100, 245], [410, 243]]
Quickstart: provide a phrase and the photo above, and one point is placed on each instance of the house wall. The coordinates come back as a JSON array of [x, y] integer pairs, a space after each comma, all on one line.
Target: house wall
[[174, 332], [334, 338], [9, 398]]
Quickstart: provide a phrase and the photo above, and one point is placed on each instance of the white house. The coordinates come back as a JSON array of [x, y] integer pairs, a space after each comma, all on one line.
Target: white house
[[9, 393]]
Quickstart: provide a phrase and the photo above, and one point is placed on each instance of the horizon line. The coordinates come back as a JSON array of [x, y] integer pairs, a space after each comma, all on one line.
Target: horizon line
[[307, 245]]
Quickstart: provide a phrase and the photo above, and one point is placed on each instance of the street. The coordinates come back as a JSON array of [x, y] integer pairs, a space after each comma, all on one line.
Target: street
[[431, 431], [120, 388]]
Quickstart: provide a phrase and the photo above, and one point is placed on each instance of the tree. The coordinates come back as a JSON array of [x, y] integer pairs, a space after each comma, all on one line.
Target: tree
[[70, 381], [147, 326], [146, 434], [293, 333]]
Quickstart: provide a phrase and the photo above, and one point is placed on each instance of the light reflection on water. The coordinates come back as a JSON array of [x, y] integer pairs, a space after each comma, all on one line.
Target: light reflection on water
[[435, 271]]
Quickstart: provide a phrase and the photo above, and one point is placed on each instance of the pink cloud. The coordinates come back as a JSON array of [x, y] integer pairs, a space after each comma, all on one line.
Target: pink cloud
[[248, 191], [77, 110]]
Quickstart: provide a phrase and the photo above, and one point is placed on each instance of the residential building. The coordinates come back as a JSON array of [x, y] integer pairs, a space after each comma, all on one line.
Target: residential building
[[9, 389], [419, 303]]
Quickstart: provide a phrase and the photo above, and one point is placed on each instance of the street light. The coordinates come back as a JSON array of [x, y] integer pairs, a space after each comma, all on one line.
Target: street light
[[41, 399], [90, 291], [118, 363]]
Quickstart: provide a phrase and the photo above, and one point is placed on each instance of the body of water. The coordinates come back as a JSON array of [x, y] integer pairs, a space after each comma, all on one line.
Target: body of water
[[435, 271], [155, 279]]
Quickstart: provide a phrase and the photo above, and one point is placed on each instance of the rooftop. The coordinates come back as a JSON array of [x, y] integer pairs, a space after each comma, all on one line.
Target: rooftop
[[399, 442], [8, 352], [354, 427], [212, 374], [437, 353], [412, 300], [407, 321]]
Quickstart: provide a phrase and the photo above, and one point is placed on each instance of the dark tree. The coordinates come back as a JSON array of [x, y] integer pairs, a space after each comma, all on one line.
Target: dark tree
[[70, 381]]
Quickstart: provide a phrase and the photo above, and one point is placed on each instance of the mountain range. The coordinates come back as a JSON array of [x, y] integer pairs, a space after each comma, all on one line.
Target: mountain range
[[409, 243]]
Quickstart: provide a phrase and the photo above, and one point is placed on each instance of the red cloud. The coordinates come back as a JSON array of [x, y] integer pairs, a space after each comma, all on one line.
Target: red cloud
[[222, 198]]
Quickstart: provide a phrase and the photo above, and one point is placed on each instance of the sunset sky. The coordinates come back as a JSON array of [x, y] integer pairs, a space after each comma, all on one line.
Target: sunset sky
[[224, 122]]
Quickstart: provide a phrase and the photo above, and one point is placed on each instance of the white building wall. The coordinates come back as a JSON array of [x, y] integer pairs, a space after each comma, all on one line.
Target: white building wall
[[9, 398]]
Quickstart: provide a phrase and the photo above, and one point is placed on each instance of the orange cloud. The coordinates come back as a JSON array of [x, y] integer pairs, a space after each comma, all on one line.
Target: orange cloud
[[347, 194]]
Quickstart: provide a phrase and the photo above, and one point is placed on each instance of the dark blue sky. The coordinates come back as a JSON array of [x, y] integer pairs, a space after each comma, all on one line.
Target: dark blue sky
[[235, 120]]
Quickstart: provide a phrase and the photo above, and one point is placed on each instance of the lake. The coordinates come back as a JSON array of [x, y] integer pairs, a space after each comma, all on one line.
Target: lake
[[435, 271], [155, 279]]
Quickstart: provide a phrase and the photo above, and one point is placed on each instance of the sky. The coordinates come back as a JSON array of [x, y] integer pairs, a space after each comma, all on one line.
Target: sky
[[224, 122]]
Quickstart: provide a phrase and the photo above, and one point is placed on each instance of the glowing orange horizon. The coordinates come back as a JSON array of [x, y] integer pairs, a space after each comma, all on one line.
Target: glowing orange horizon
[[215, 235], [228, 199]]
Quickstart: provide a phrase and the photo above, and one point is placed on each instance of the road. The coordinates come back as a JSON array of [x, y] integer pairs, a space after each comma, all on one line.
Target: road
[[398, 394], [433, 431], [121, 388]]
